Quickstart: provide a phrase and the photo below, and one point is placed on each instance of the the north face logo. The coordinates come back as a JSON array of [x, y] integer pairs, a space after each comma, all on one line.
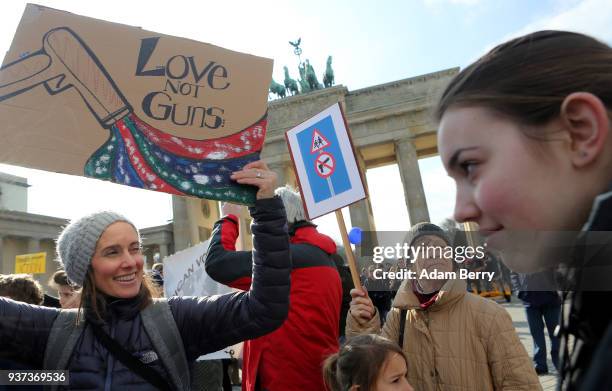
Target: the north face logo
[[148, 357]]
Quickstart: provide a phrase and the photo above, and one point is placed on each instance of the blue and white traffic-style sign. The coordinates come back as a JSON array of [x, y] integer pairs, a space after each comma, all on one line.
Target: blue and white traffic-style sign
[[325, 163], [319, 168]]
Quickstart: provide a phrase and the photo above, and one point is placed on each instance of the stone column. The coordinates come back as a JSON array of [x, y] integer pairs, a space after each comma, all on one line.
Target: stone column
[[4, 262], [184, 224], [33, 245], [408, 162], [361, 211], [163, 251], [280, 169], [245, 238]]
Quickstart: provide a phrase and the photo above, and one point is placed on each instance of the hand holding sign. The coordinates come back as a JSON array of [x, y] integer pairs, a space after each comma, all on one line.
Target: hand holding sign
[[362, 308], [257, 174]]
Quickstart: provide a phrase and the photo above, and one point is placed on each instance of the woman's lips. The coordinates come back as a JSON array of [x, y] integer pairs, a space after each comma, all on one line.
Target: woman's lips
[[488, 231], [126, 278]]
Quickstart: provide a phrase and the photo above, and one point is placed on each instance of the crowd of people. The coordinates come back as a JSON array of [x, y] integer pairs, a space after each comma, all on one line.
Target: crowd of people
[[524, 132]]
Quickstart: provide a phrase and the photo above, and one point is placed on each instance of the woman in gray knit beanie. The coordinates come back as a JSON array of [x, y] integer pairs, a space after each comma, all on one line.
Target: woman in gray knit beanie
[[76, 249], [120, 336]]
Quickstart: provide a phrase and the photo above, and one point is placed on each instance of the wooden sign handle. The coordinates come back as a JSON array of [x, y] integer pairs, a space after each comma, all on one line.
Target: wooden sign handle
[[348, 250]]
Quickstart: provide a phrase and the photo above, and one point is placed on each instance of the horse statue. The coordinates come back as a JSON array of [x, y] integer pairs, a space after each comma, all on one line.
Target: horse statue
[[277, 88], [328, 77], [311, 78], [290, 84], [304, 86]]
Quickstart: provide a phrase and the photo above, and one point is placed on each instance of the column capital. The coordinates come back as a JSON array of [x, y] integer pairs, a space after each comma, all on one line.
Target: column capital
[[404, 141]]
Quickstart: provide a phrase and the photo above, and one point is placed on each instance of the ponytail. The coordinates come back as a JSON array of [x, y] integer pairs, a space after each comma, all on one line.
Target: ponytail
[[330, 372]]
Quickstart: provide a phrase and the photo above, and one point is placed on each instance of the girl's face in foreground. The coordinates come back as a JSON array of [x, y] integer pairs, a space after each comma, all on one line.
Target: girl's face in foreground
[[509, 183], [393, 375], [117, 262]]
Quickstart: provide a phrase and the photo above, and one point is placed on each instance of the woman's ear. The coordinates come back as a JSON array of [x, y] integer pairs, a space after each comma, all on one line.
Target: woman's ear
[[586, 120]]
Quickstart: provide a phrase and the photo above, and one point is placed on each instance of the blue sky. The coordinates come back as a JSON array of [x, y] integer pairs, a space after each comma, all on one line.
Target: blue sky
[[372, 42]]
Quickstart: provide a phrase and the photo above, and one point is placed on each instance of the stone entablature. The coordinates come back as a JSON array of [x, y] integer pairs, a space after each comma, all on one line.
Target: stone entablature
[[377, 114], [13, 180], [29, 225]]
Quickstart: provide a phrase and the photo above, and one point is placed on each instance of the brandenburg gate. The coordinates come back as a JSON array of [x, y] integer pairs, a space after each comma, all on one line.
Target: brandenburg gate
[[389, 123]]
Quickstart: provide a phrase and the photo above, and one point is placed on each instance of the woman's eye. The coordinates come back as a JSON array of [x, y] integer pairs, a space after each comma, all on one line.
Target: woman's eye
[[468, 167]]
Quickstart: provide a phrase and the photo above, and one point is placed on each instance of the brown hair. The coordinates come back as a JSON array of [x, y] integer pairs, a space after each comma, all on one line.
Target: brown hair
[[60, 278], [358, 362], [93, 299], [21, 287], [526, 79]]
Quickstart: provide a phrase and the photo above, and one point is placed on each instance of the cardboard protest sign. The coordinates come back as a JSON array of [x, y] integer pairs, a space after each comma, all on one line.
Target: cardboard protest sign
[[87, 97], [325, 164], [184, 275], [35, 263]]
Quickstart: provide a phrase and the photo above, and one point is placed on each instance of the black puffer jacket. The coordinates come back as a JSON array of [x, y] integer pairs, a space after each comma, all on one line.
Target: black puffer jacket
[[586, 319], [205, 324]]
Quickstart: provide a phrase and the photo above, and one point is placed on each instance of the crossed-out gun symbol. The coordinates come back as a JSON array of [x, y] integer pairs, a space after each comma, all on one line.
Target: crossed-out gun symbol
[[322, 164]]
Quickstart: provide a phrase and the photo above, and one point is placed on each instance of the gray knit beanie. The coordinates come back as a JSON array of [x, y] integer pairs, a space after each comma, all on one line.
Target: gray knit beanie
[[77, 242], [426, 229]]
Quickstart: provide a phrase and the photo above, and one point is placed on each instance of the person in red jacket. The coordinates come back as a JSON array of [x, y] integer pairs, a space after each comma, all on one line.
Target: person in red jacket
[[290, 358]]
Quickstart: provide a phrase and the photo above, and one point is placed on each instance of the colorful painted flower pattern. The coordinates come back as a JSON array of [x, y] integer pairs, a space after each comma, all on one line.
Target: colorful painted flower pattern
[[136, 154]]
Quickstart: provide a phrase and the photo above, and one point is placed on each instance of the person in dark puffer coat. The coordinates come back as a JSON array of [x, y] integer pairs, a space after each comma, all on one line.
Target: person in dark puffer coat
[[291, 357], [102, 253]]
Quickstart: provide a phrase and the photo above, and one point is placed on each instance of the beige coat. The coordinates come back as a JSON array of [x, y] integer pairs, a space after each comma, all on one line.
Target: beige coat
[[461, 342]]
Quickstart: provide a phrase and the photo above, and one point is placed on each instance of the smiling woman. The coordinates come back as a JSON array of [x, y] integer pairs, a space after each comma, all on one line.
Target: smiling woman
[[121, 336], [118, 261], [116, 266], [526, 134]]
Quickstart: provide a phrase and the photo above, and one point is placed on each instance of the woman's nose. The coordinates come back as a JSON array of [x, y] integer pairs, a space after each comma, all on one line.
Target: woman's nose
[[130, 260], [465, 207]]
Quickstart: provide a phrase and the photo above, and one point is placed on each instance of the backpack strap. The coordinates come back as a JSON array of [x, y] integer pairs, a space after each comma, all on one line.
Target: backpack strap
[[127, 359], [63, 337], [402, 327], [164, 334]]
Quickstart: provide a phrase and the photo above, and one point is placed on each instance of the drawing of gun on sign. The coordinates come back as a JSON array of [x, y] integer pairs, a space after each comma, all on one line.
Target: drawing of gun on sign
[[325, 165], [212, 111]]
